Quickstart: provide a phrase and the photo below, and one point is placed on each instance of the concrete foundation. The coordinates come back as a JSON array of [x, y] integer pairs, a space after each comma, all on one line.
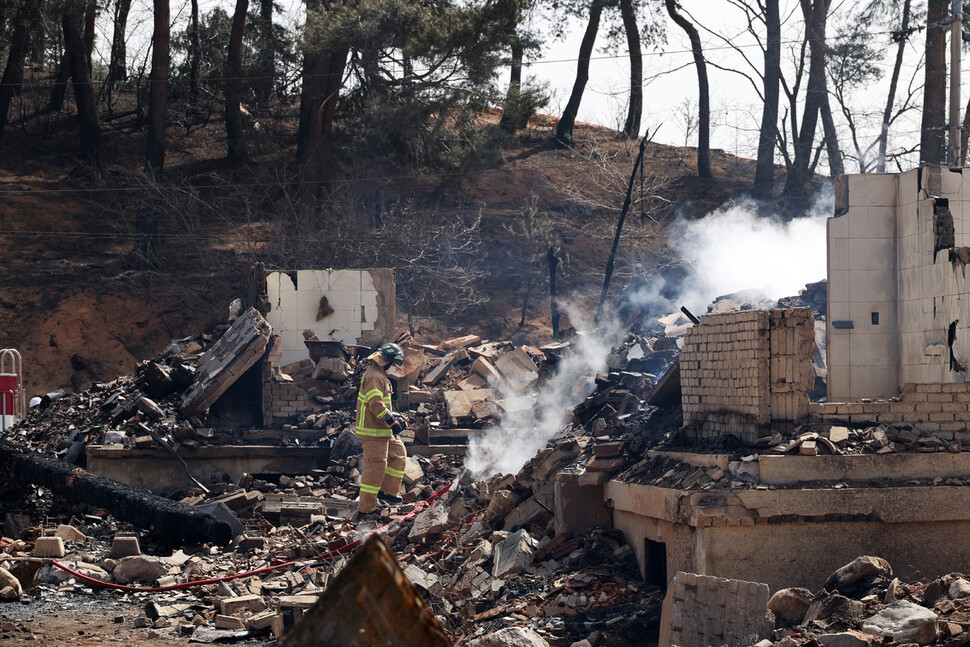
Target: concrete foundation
[[793, 537], [160, 472]]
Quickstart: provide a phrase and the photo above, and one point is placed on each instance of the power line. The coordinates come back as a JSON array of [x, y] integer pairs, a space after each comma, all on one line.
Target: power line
[[604, 57]]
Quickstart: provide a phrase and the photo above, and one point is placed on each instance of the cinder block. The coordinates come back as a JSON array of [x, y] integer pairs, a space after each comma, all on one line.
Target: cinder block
[[48, 547], [125, 546]]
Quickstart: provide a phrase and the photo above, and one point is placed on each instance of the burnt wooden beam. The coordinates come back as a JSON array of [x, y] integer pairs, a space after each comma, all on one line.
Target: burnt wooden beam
[[167, 520]]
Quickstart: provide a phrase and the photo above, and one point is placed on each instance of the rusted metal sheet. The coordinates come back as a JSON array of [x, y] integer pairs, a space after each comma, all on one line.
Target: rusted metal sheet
[[371, 602]]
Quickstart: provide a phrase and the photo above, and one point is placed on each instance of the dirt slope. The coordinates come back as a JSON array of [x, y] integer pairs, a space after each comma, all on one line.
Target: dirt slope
[[79, 306]]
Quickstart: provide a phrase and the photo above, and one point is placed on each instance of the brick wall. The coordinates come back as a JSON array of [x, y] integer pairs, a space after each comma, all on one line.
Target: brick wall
[[284, 401], [742, 370], [941, 408]]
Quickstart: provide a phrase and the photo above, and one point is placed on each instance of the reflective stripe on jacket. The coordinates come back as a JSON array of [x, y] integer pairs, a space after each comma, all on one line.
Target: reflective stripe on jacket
[[373, 403]]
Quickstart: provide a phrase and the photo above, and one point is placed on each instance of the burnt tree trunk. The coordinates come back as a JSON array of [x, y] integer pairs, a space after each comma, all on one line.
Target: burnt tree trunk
[[764, 178], [234, 130], [158, 90], [799, 178], [553, 262], [56, 102], [87, 107], [266, 59], [832, 149], [197, 49], [564, 129], [703, 92], [118, 67], [512, 120], [322, 80], [12, 82], [891, 97], [932, 149], [90, 20], [635, 110]]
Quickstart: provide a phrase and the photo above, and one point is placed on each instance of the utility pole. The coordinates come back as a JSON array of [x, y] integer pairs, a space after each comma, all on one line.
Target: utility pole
[[956, 42]]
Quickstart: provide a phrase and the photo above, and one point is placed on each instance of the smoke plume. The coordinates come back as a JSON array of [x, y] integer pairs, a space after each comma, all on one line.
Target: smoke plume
[[734, 248]]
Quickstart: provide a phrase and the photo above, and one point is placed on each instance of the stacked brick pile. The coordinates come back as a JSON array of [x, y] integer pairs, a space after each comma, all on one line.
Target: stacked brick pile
[[792, 336], [740, 371], [938, 408], [724, 372]]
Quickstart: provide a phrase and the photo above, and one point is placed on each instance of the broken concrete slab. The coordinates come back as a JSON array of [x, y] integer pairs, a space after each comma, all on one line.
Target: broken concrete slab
[[512, 554], [458, 404], [701, 610], [518, 369], [511, 637], [370, 602], [904, 622], [429, 523], [236, 351], [143, 568]]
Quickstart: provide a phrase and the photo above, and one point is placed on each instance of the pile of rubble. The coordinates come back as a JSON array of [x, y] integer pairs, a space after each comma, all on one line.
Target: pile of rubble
[[486, 557], [862, 604]]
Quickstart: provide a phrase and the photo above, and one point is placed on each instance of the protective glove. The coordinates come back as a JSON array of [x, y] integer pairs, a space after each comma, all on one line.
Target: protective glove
[[396, 427]]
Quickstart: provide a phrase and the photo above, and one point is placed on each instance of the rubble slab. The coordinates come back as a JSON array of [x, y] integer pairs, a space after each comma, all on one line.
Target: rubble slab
[[238, 349]]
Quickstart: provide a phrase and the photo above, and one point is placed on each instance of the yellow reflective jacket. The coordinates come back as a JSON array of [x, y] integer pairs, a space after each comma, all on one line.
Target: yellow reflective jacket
[[373, 403]]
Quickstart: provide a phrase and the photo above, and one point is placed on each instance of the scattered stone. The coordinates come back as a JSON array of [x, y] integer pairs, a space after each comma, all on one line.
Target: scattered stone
[[8, 581], [850, 638], [959, 588], [858, 569], [69, 533], [513, 554], [904, 622], [790, 605], [144, 568], [511, 637]]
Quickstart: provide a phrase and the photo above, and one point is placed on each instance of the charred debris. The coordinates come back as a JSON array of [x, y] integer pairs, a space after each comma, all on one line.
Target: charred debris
[[486, 555]]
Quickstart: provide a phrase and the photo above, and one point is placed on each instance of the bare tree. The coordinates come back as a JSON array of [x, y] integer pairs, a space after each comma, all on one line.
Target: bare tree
[[11, 85], [195, 51], [118, 66], [564, 129], [764, 177], [632, 126], [234, 131], [87, 108], [703, 91], [815, 13], [158, 89], [932, 148]]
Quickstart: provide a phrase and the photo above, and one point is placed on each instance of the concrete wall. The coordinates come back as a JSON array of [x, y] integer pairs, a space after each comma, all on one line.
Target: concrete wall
[[363, 303], [741, 371], [863, 360], [899, 250], [156, 470], [792, 537]]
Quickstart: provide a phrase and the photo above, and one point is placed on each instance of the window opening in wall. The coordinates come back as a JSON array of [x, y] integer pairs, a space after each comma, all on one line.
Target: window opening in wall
[[875, 318], [655, 555]]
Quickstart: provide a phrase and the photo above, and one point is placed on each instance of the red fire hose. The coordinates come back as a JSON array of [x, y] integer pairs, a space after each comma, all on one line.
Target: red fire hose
[[186, 585]]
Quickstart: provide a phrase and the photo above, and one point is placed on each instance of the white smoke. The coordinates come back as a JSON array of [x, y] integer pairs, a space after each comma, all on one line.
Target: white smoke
[[522, 433], [736, 248], [733, 249]]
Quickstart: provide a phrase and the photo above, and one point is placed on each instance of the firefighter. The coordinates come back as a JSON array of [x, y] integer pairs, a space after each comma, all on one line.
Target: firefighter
[[378, 430]]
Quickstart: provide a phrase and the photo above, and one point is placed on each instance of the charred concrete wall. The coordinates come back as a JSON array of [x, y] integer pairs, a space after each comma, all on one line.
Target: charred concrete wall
[[742, 371], [793, 537], [897, 283], [351, 306]]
